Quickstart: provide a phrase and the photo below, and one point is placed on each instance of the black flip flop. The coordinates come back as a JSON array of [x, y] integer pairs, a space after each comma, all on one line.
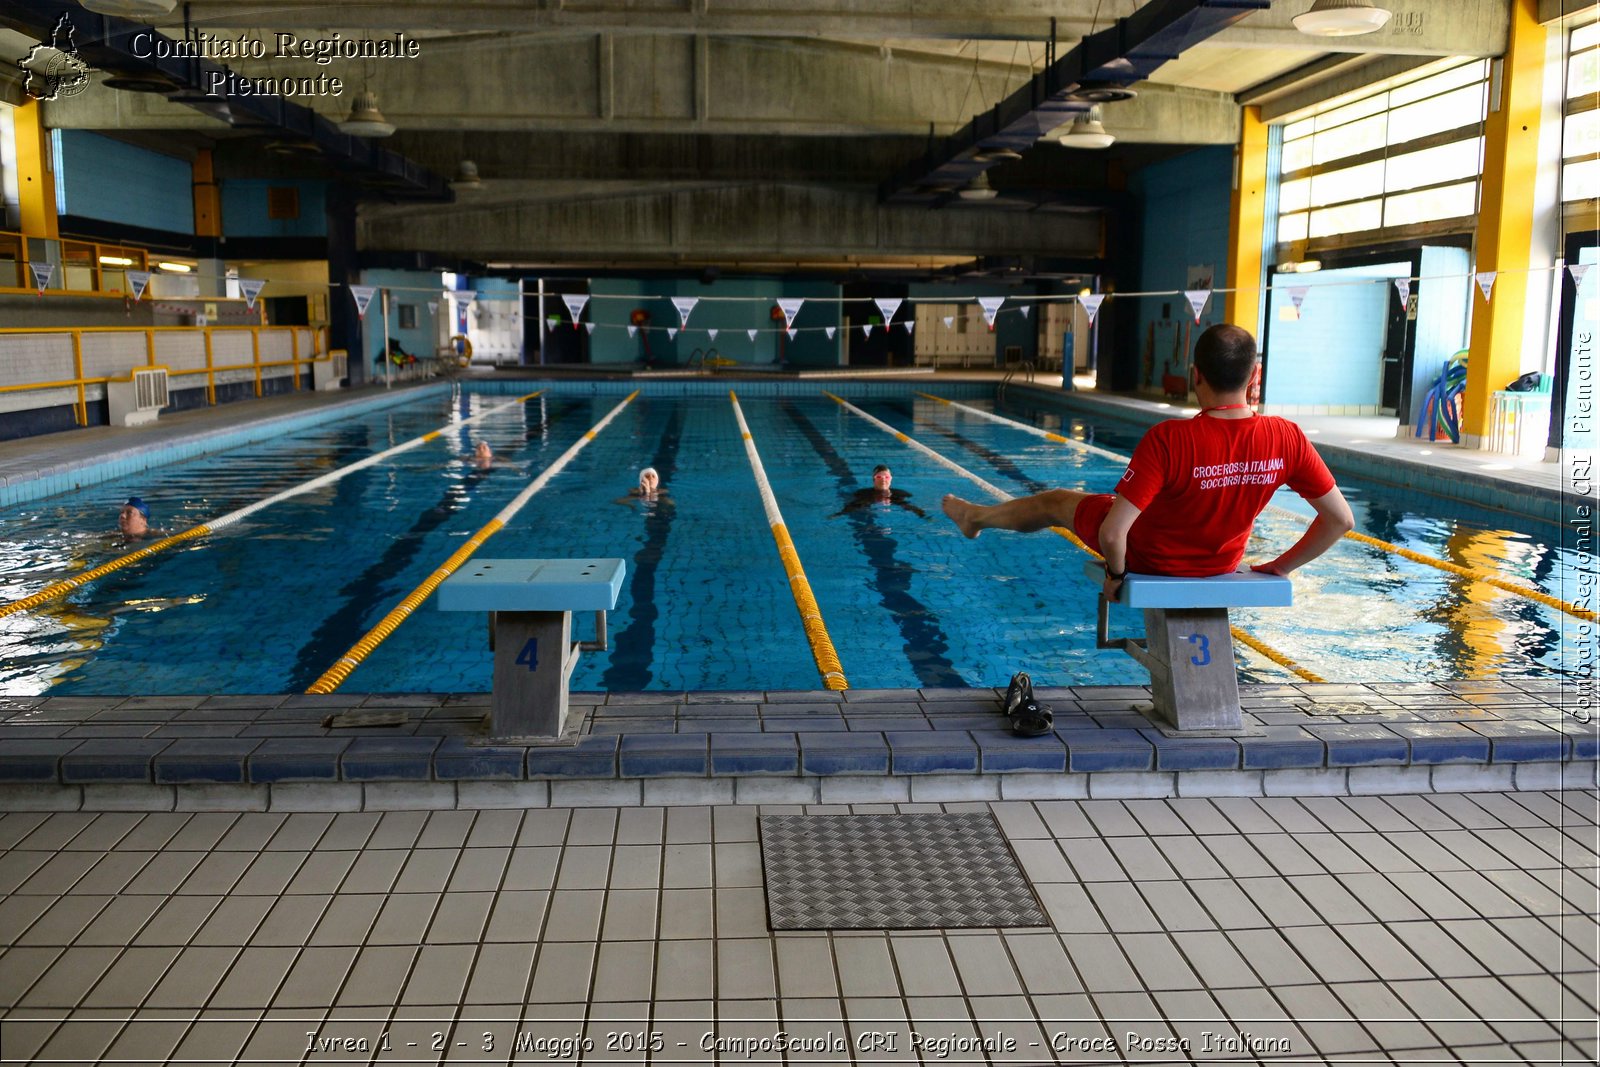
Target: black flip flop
[[1032, 719], [1018, 693]]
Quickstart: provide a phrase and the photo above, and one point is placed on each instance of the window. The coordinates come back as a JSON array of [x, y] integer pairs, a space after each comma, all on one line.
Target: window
[[1580, 136], [1406, 151], [283, 202]]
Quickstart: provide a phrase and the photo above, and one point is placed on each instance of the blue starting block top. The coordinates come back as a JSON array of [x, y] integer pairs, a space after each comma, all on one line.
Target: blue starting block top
[[533, 585], [1242, 589]]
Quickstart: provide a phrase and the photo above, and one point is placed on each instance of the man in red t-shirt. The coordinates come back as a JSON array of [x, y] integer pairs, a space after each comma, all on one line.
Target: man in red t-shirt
[[1186, 504]]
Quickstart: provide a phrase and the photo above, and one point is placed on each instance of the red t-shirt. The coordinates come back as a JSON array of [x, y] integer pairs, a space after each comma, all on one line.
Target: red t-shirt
[[1200, 483]]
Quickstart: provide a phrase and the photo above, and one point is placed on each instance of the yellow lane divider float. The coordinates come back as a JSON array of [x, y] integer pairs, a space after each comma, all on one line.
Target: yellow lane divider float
[[1239, 635], [62, 588], [810, 614], [335, 675], [1505, 584]]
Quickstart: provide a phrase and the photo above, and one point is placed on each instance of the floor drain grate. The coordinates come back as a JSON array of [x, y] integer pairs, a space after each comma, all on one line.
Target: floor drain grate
[[1340, 707], [892, 872]]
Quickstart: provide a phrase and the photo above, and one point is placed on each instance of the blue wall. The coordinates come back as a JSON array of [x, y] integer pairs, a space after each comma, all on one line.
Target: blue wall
[[1183, 208], [244, 209], [416, 288], [613, 300], [1333, 354], [99, 178]]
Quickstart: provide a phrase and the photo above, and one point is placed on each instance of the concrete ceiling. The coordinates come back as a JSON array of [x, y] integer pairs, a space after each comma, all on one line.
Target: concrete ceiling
[[660, 131]]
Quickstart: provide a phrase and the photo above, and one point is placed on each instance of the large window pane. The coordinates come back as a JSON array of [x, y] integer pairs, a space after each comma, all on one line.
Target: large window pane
[[1296, 155], [1581, 135], [1460, 107], [1459, 159], [1292, 228], [1350, 112], [1294, 196], [1580, 181], [1352, 138], [1587, 37], [1445, 202], [1583, 74], [1438, 83], [1346, 218], [1351, 183], [1296, 130]]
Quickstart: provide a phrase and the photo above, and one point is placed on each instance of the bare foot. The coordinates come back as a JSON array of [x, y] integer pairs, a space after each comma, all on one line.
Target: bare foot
[[962, 513]]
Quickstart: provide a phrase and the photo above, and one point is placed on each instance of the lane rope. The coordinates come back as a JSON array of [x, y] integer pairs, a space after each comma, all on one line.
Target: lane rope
[[1487, 577], [1260, 646], [335, 675], [822, 650], [67, 585]]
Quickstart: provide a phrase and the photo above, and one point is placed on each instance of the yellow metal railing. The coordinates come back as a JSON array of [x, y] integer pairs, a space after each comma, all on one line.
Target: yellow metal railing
[[211, 369]]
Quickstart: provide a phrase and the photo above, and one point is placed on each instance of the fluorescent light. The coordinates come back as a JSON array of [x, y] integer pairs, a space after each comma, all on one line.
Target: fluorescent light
[[174, 268], [1308, 266], [1341, 18], [115, 261]]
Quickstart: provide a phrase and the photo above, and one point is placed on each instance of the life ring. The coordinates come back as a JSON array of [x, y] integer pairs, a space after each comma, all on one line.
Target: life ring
[[464, 353]]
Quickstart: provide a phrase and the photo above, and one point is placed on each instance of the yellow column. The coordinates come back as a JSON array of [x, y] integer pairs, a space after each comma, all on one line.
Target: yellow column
[[1505, 221], [1246, 221], [36, 179]]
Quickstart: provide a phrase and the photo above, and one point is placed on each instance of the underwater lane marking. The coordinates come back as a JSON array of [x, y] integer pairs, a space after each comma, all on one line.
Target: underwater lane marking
[[822, 650], [59, 589], [335, 675], [1488, 578], [1266, 650]]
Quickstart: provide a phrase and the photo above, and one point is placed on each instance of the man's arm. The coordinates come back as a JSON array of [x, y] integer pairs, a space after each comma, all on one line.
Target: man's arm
[[1114, 542], [1333, 521]]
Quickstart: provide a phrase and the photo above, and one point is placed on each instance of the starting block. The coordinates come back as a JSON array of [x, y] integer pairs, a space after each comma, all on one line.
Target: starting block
[[530, 604], [1188, 647]]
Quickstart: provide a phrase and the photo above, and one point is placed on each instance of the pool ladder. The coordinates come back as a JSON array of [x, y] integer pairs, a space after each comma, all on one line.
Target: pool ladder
[[1024, 366]]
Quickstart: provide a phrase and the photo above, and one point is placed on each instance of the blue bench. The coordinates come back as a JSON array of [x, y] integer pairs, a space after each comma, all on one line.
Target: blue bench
[[530, 604], [1188, 646]]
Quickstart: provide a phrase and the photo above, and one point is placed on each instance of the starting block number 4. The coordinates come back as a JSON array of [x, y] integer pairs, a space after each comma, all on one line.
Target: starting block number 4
[[529, 656]]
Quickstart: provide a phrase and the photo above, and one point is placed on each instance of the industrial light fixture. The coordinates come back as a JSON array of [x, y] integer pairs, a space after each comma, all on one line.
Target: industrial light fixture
[[130, 9], [466, 179], [365, 119], [996, 155], [115, 261], [1341, 18], [174, 268], [1302, 266], [978, 188], [1086, 131]]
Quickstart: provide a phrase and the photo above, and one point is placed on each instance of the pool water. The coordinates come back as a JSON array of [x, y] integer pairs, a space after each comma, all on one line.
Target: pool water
[[268, 605]]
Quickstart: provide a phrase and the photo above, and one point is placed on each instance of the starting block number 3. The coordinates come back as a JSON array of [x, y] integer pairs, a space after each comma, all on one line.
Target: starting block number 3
[[1201, 657], [529, 656]]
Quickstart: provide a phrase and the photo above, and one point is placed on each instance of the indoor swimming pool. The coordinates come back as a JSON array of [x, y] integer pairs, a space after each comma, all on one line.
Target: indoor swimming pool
[[268, 604]]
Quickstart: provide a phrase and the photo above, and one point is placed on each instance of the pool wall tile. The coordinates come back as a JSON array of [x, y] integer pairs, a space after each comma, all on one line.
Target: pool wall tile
[[111, 760], [204, 759], [843, 753], [594, 756], [297, 759], [648, 755], [456, 759], [1002, 750], [1360, 744], [1193, 753], [25, 759], [761, 753], [929, 752], [381, 759], [1443, 742], [1282, 746], [1516, 741], [1089, 751]]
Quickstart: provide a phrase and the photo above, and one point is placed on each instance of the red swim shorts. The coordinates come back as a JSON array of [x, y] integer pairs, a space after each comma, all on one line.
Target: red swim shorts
[[1090, 514]]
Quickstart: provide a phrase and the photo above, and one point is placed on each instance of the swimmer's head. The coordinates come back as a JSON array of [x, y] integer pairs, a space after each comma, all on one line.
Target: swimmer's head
[[482, 451], [881, 477], [134, 518], [649, 480]]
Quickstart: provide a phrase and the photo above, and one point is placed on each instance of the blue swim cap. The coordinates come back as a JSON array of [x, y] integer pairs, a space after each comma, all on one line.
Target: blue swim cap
[[139, 505]]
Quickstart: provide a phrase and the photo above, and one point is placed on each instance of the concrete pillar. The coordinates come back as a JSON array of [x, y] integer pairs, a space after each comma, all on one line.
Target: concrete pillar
[[344, 325], [211, 274], [1246, 223], [1506, 229]]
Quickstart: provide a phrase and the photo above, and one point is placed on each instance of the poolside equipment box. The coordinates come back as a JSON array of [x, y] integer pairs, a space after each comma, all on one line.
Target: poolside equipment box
[[530, 604], [1188, 646]]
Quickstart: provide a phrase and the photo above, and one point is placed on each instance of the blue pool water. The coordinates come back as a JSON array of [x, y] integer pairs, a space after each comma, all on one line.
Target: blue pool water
[[267, 606]]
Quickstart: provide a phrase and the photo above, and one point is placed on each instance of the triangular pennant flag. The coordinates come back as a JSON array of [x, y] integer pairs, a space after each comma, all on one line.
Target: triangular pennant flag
[[1091, 305], [1486, 281], [632, 330], [791, 333], [991, 305], [1577, 270], [1403, 287], [433, 307], [1297, 294], [684, 304], [575, 306], [949, 322], [1024, 310], [137, 280], [888, 305], [908, 325], [672, 331], [829, 330], [790, 306], [555, 320], [712, 334], [1198, 298], [867, 329], [42, 273], [590, 327], [752, 334], [251, 288], [363, 295]]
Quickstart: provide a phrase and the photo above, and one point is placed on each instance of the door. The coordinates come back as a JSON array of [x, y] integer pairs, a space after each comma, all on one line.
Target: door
[[1396, 351]]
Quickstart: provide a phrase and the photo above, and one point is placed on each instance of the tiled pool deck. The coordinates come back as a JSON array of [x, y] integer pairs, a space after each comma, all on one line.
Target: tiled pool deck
[[275, 753]]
